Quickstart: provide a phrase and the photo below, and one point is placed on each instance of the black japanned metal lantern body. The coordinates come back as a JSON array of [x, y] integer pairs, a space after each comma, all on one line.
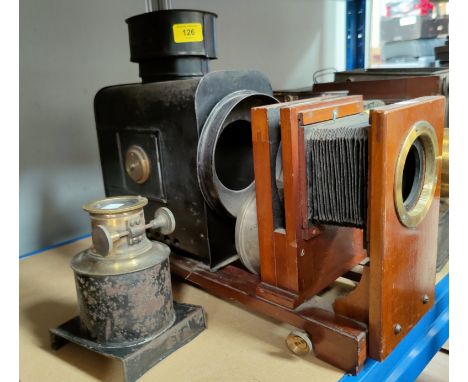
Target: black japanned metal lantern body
[[182, 138], [196, 137]]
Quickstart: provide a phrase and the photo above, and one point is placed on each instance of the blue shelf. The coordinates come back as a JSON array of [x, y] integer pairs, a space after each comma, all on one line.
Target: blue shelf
[[355, 34], [415, 351]]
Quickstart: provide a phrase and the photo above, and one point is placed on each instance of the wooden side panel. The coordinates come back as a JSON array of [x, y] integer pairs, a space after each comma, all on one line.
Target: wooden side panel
[[318, 260], [298, 261], [402, 260], [350, 106], [261, 155], [292, 196], [356, 304], [328, 256]]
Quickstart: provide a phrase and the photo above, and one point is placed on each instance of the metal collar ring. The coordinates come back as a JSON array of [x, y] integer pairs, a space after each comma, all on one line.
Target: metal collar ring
[[422, 137]]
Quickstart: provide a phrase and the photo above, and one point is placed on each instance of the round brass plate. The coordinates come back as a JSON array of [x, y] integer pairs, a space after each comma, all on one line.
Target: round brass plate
[[137, 164], [421, 135], [299, 343]]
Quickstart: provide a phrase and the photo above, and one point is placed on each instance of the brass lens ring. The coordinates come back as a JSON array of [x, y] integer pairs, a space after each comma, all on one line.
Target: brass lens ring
[[444, 181], [115, 205], [421, 144]]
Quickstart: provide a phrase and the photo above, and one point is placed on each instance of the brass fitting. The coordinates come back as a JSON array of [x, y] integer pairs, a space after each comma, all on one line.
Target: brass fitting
[[299, 342], [118, 233], [444, 182], [412, 210]]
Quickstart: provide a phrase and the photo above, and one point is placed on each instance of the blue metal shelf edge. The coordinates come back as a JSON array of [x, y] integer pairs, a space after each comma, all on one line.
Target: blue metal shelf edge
[[415, 351], [355, 34]]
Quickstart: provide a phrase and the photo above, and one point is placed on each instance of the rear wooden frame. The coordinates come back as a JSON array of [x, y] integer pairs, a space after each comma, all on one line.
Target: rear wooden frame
[[298, 261]]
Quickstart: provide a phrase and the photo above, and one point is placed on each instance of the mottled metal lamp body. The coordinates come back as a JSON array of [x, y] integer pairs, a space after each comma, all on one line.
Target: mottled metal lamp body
[[124, 292], [126, 309]]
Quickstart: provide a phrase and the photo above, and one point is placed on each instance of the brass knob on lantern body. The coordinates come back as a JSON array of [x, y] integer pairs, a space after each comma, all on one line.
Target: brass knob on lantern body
[[137, 164]]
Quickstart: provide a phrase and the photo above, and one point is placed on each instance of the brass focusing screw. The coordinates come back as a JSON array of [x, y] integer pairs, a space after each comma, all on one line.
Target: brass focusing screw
[[122, 217], [299, 342], [103, 240]]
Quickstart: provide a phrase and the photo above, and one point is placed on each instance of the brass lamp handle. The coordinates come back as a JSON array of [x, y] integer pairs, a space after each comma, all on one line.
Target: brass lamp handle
[[103, 240]]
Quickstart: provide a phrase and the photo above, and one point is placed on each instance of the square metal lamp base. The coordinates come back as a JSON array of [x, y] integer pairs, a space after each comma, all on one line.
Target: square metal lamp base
[[138, 359]]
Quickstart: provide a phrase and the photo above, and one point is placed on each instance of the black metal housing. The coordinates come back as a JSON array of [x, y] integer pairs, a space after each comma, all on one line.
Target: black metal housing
[[136, 360], [153, 44], [166, 119]]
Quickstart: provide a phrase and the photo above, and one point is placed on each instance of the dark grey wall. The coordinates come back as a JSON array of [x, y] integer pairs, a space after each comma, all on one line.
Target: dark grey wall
[[71, 49]]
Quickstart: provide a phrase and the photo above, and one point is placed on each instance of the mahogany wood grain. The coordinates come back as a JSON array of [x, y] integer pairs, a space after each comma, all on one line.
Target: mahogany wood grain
[[298, 259], [356, 304], [402, 260], [261, 155], [338, 340], [388, 90], [350, 106]]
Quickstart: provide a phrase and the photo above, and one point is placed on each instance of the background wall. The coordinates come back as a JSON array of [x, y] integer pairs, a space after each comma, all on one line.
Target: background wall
[[71, 49]]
